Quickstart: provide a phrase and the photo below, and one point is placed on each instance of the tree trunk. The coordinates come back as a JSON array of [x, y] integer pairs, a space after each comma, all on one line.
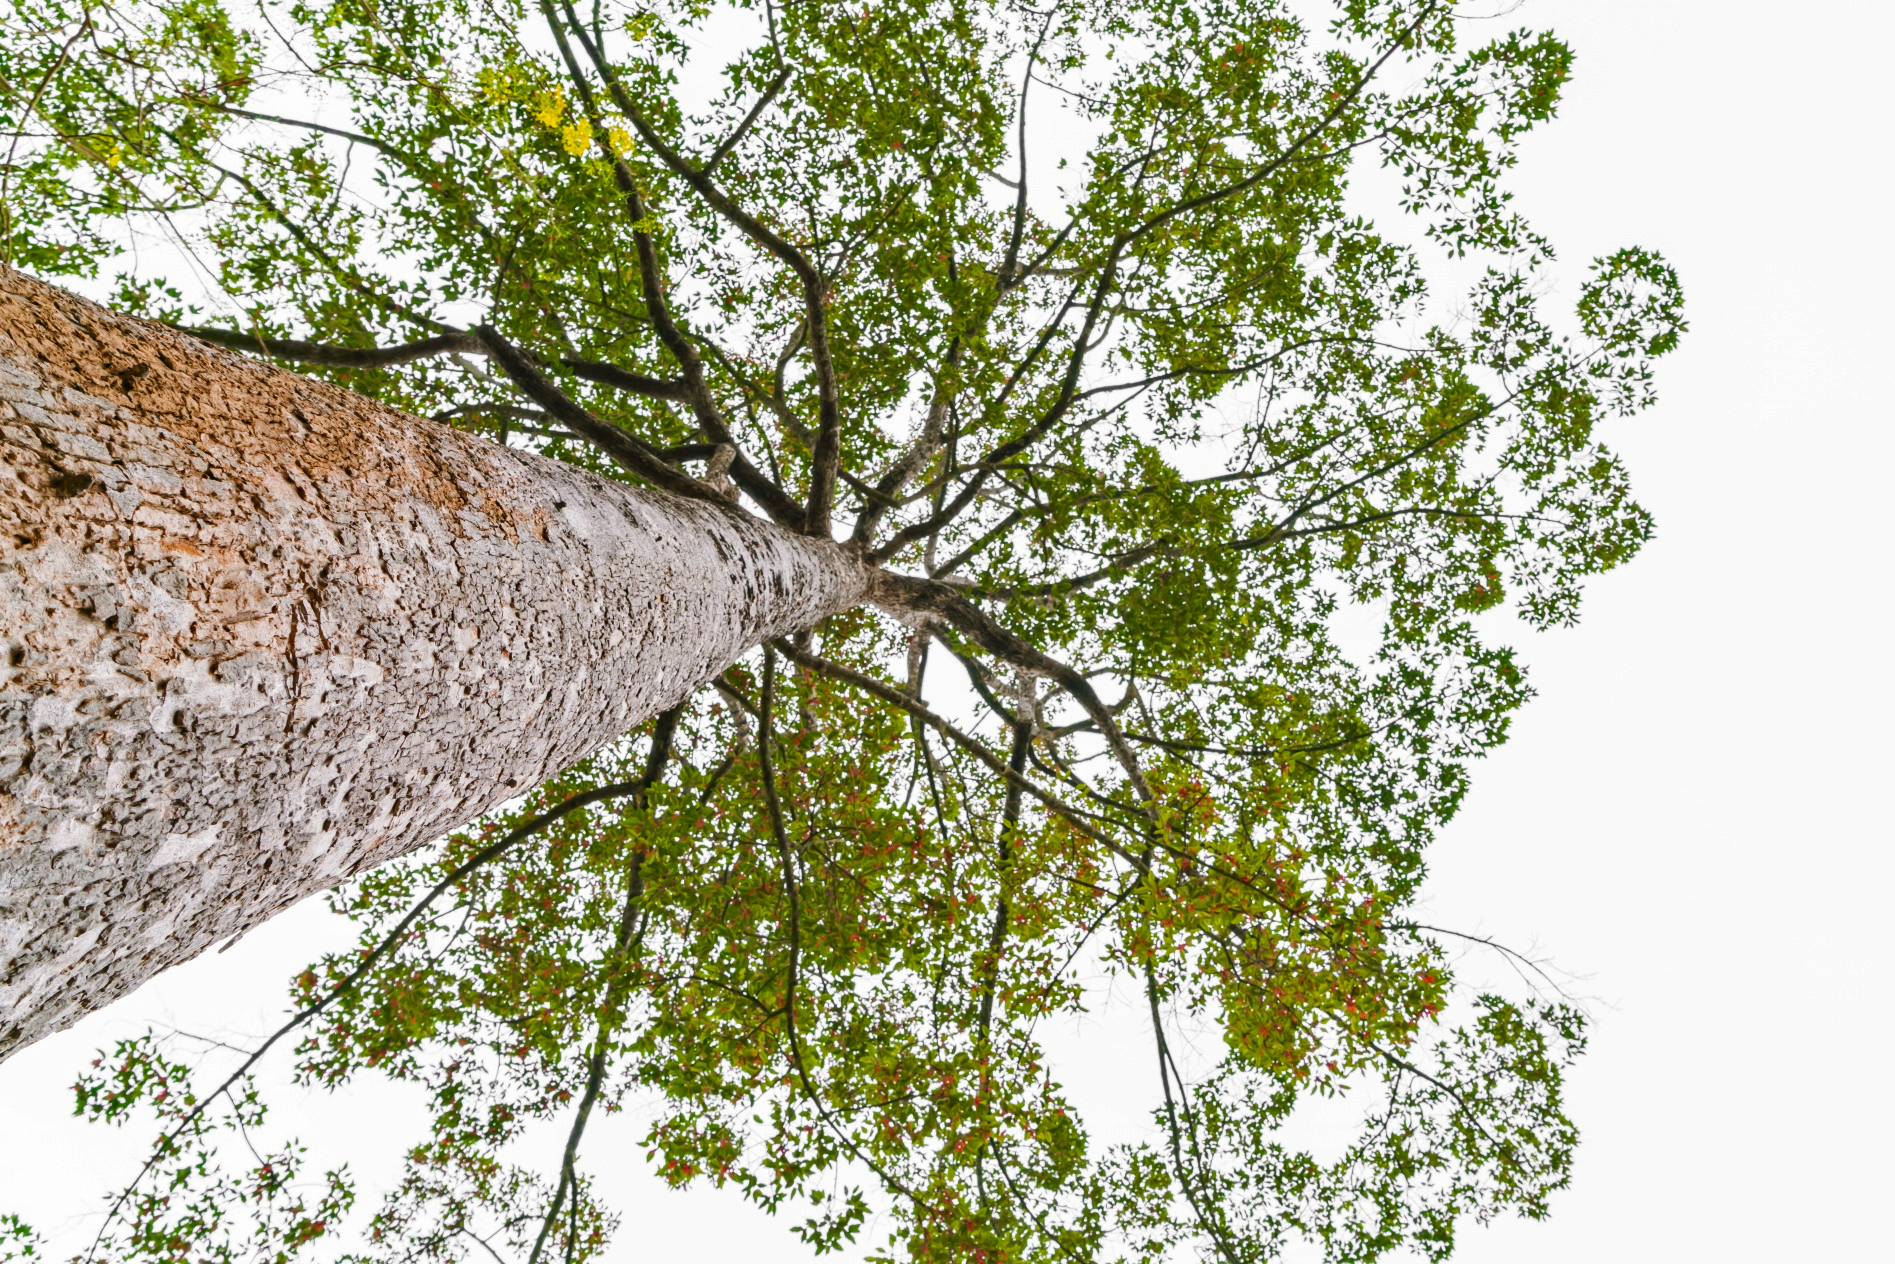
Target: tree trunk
[[258, 634]]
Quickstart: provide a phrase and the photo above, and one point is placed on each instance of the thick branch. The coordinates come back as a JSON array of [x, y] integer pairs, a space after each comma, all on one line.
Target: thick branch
[[921, 595], [926, 444], [625, 380], [627, 449], [339, 357]]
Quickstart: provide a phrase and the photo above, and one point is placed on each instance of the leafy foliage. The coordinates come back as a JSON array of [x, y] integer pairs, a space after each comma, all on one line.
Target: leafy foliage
[[191, 1207], [1069, 317]]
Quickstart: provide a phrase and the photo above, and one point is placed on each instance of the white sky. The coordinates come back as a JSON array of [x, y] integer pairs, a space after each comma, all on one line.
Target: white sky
[[1690, 816]]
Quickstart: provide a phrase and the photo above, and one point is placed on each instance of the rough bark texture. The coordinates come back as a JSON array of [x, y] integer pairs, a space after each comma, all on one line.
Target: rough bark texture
[[258, 634]]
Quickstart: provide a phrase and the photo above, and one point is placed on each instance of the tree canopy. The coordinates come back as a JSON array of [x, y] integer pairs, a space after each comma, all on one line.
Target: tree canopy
[[1186, 369]]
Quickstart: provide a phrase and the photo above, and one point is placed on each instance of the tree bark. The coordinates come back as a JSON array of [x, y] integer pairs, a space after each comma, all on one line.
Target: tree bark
[[258, 634]]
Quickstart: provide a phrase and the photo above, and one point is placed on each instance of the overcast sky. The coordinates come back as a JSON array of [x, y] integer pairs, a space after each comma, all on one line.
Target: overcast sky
[[1691, 817]]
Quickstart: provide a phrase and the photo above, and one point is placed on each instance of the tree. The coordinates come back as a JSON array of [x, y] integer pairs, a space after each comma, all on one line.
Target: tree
[[264, 633], [1127, 442]]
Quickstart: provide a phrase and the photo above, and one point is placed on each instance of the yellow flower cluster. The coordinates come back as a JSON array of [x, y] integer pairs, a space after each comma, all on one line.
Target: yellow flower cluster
[[549, 107], [498, 83], [576, 137]]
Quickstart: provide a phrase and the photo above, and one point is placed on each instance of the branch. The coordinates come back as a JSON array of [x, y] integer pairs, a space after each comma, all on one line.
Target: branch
[[1006, 279], [1062, 402], [1513, 956], [1393, 463], [1074, 817], [1166, 1067], [1249, 752], [1108, 271], [756, 111], [347, 276], [881, 498], [629, 930], [627, 449], [32, 108], [340, 357], [1270, 168], [1193, 370], [355, 137], [625, 380], [766, 768], [760, 487], [1374, 519], [828, 446], [928, 596], [1009, 823], [1166, 546]]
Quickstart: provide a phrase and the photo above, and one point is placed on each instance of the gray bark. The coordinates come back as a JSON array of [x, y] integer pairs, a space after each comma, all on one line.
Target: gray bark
[[258, 634]]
